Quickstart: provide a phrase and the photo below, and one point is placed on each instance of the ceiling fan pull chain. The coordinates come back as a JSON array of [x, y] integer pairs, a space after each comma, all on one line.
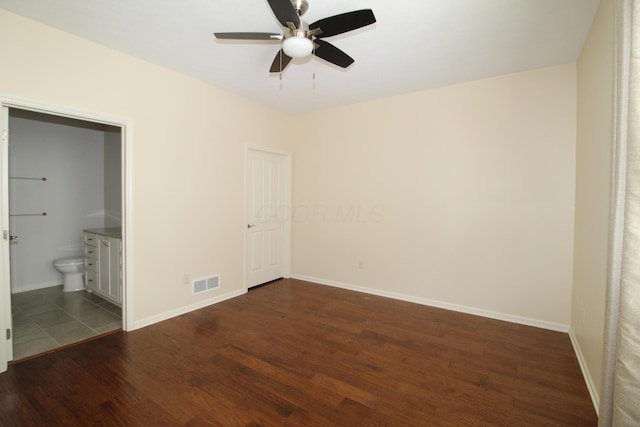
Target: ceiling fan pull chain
[[314, 68], [280, 70]]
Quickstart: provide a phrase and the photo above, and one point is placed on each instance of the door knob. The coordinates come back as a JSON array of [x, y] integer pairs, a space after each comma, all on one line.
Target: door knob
[[250, 225], [13, 237]]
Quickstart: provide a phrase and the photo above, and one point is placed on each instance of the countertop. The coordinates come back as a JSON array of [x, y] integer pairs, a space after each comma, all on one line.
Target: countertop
[[115, 232]]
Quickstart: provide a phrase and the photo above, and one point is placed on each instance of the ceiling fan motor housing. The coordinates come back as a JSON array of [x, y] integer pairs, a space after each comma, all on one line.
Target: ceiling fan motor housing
[[297, 32]]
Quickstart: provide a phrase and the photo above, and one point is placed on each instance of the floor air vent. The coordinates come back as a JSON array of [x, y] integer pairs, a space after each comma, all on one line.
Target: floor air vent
[[205, 284]]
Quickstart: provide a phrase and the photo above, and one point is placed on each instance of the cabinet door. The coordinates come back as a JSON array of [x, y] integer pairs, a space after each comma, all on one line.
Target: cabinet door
[[104, 261], [114, 270]]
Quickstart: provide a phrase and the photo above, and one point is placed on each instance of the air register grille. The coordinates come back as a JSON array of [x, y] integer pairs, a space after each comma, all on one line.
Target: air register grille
[[205, 284]]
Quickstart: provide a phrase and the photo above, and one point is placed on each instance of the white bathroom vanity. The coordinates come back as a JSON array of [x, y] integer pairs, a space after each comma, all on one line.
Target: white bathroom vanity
[[103, 263]]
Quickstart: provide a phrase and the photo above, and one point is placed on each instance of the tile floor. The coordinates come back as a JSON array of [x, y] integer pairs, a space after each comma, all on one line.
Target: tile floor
[[49, 318]]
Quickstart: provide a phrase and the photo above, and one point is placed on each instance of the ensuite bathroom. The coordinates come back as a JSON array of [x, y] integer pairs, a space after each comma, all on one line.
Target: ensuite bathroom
[[65, 221]]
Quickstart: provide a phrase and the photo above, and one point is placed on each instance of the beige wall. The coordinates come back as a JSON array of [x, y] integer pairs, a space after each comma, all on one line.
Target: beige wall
[[188, 154], [461, 195], [593, 170]]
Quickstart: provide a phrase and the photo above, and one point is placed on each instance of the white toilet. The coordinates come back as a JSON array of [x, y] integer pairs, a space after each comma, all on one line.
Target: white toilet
[[72, 268]]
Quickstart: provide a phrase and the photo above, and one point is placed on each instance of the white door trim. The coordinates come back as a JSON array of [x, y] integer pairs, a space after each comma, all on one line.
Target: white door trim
[[288, 162], [6, 343], [127, 205]]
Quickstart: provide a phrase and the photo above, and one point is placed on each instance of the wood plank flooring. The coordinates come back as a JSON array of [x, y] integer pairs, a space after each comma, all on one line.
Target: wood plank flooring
[[294, 353]]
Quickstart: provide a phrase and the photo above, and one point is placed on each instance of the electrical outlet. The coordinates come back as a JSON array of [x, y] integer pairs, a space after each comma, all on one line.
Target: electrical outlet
[[360, 265], [186, 279]]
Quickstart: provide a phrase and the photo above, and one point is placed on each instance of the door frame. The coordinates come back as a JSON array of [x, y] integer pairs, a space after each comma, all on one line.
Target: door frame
[[126, 178], [288, 187]]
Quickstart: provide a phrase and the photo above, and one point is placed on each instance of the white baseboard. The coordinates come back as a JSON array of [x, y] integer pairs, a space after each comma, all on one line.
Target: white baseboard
[[439, 304], [585, 372], [186, 309], [35, 286]]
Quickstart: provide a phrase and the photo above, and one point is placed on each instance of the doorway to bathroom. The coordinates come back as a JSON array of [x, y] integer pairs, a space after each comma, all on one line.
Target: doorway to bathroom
[[63, 175]]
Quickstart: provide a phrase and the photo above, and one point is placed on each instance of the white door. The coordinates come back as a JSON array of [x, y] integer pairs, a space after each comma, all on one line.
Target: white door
[[266, 216], [6, 340]]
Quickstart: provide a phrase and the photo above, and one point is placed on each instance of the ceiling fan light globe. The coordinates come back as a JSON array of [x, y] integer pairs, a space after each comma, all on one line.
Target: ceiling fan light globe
[[297, 47]]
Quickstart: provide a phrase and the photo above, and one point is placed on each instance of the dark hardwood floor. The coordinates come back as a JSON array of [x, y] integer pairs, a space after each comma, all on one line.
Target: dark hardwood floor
[[300, 354]]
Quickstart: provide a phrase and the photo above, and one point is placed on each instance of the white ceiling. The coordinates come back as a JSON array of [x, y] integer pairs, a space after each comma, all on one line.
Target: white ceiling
[[415, 45]]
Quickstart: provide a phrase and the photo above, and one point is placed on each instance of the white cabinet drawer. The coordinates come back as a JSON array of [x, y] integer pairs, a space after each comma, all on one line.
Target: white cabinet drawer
[[90, 239], [90, 264], [91, 278], [90, 252]]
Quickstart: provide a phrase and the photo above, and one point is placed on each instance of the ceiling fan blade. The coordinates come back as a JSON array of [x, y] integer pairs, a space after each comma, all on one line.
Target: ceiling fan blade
[[284, 11], [339, 24], [248, 36], [330, 53], [280, 62]]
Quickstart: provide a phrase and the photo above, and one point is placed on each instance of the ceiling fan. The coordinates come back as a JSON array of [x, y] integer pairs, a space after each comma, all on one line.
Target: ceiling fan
[[300, 39]]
